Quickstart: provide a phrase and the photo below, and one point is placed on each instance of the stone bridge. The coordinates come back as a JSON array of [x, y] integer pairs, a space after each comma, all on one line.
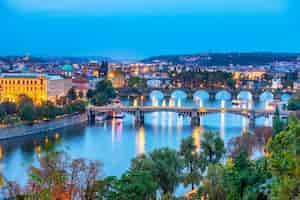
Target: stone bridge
[[212, 92], [193, 112]]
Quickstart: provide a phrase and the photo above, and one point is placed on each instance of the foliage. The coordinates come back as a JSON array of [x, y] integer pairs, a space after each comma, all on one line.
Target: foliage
[[136, 82], [246, 143], [164, 165], [191, 161], [212, 148], [72, 95], [278, 125], [138, 185], [294, 102], [284, 162], [47, 110], [59, 177], [3, 113], [27, 110], [103, 92]]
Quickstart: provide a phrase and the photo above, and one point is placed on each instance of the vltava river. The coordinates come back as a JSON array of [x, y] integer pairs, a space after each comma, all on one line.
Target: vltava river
[[116, 142]]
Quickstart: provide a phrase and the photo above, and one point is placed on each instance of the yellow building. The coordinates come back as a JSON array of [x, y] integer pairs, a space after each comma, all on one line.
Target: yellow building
[[117, 78], [39, 87]]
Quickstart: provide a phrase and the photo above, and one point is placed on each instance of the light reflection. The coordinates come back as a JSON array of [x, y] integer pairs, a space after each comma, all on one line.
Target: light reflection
[[154, 102], [179, 103], [222, 125], [140, 141], [113, 128], [200, 103], [171, 103], [1, 152], [196, 137], [135, 102], [244, 124], [164, 103], [179, 124], [119, 128]]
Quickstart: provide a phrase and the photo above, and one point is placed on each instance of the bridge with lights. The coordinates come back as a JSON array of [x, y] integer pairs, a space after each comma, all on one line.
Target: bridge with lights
[[193, 112]]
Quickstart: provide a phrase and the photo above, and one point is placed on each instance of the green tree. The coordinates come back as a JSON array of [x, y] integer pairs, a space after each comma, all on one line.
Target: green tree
[[100, 99], [136, 82], [138, 185], [192, 164], [294, 102], [212, 148], [278, 125], [47, 110], [284, 162], [72, 95], [27, 112], [212, 186], [164, 165], [3, 114]]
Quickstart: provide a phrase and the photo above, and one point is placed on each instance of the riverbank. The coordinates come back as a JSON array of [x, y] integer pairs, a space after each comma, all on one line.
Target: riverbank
[[26, 130]]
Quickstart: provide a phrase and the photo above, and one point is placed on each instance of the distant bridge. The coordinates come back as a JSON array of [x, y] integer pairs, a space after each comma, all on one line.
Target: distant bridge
[[193, 112], [211, 92]]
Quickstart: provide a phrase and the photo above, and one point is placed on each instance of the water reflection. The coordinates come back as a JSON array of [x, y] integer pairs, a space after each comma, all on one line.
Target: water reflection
[[140, 141], [196, 136]]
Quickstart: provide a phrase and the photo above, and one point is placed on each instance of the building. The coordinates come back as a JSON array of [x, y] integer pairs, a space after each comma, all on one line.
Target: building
[[67, 70], [117, 78], [276, 83], [39, 87], [81, 85]]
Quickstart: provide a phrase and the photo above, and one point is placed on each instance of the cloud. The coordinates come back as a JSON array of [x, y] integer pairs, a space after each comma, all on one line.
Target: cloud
[[107, 7]]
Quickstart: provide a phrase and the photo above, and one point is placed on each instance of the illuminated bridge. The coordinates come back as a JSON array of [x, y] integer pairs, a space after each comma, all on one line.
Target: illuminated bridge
[[193, 112]]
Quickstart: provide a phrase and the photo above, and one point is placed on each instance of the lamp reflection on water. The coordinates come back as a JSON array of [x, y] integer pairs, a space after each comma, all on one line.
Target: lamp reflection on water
[[196, 137], [140, 141]]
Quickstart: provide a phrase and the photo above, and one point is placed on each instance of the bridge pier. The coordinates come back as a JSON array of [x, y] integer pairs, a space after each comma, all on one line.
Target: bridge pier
[[252, 120], [91, 116], [195, 119], [212, 96], [139, 118]]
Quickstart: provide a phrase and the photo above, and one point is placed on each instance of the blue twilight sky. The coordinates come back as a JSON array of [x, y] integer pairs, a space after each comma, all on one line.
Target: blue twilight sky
[[136, 29]]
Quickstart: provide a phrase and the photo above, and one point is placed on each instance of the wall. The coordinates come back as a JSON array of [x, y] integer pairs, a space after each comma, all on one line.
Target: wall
[[24, 130]]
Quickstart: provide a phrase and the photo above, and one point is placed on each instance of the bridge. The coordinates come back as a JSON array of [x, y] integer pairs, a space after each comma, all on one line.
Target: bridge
[[211, 92], [193, 112]]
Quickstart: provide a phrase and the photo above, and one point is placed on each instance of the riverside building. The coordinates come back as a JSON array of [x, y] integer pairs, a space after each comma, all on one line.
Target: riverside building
[[39, 87]]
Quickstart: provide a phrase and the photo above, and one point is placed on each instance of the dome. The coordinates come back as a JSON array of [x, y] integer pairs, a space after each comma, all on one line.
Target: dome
[[67, 68]]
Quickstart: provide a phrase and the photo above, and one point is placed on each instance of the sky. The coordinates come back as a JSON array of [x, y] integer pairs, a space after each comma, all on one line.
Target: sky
[[135, 29]]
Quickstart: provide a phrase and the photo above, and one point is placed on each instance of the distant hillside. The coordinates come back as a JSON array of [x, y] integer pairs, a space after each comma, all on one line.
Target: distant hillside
[[218, 59]]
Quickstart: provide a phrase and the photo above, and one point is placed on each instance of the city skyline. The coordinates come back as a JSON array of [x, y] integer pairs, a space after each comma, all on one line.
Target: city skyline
[[134, 31]]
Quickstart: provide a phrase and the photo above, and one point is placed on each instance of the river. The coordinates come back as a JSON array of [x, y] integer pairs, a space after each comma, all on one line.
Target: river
[[116, 142]]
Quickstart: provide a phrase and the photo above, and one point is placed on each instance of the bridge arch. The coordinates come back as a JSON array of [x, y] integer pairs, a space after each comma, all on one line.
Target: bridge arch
[[179, 94], [201, 94], [245, 95], [223, 95], [266, 95], [156, 94]]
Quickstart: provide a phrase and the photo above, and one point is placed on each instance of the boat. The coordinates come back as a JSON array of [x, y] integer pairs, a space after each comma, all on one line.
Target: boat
[[118, 115], [100, 118]]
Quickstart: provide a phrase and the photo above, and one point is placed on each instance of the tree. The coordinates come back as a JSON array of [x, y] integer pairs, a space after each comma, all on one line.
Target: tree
[[246, 143], [294, 102], [72, 95], [47, 110], [167, 170], [164, 165], [192, 164], [59, 177], [138, 185], [212, 187], [284, 162], [3, 114], [211, 148], [136, 82], [9, 107], [27, 111], [100, 99], [90, 94], [278, 125]]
